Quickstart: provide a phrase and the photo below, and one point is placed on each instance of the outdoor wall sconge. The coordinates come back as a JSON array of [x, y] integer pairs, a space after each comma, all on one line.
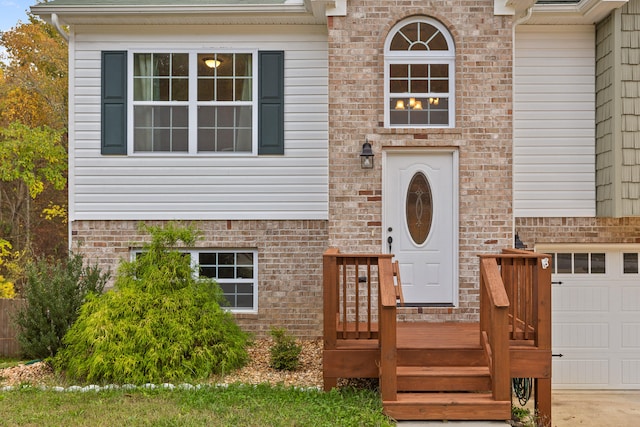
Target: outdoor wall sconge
[[366, 157]]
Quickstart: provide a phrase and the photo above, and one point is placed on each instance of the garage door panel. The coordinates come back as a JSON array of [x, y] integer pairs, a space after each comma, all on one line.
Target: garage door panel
[[631, 299], [631, 335], [581, 372], [581, 335], [631, 372], [581, 297]]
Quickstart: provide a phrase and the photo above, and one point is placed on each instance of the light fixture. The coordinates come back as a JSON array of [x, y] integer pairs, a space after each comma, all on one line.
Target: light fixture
[[211, 62], [413, 103], [366, 157]]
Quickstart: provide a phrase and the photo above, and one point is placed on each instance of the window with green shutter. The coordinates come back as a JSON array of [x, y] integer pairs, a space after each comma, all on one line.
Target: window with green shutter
[[114, 102], [205, 102]]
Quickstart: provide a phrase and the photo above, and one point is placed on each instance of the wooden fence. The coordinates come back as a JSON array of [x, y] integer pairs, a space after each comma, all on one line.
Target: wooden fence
[[9, 346]]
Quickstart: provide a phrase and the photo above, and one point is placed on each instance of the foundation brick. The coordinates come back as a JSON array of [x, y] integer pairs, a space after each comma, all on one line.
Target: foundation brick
[[289, 264]]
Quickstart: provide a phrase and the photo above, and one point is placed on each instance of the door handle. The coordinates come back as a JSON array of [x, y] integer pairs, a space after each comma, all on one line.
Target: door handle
[[389, 241]]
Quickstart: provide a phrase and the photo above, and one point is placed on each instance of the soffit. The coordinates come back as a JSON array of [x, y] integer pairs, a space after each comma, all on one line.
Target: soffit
[[572, 12]]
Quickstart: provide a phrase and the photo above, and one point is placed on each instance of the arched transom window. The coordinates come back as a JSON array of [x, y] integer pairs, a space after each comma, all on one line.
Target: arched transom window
[[419, 75]]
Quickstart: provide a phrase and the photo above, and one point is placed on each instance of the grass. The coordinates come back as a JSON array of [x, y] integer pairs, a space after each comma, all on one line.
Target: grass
[[237, 405]]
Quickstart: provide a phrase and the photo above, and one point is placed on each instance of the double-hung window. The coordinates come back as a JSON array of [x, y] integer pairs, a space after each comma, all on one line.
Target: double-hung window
[[188, 102], [419, 75], [235, 271], [193, 102]]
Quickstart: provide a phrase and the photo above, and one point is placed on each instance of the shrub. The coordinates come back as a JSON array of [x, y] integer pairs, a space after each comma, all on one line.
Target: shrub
[[285, 353], [54, 292], [158, 324]]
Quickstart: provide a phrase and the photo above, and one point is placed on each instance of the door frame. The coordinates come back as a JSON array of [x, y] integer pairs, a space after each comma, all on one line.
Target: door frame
[[455, 244]]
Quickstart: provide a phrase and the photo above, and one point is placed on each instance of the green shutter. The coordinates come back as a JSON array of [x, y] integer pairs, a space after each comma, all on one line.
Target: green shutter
[[271, 102], [114, 102]]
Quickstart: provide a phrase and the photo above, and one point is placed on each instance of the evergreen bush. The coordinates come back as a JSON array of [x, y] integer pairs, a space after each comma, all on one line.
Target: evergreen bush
[[54, 292], [158, 324], [285, 353]]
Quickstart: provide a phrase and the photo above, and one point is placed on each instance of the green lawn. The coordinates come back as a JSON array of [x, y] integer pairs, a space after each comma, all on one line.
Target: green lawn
[[237, 405]]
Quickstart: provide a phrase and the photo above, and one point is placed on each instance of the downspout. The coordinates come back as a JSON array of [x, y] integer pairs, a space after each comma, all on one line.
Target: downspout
[[56, 23], [517, 22]]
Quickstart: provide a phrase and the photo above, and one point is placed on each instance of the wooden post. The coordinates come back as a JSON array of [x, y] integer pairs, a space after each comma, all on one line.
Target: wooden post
[[484, 301], [388, 345], [543, 287], [501, 355], [543, 385], [497, 311], [542, 397], [330, 303]]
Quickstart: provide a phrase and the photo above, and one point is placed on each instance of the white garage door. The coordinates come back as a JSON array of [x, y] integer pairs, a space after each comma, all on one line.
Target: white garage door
[[596, 318]]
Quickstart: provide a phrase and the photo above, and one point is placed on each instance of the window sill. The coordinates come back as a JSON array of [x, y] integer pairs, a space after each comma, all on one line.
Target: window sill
[[245, 315], [419, 133]]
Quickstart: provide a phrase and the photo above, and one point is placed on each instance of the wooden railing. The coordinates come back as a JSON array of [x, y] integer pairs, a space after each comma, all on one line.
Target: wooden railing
[[388, 331], [359, 304], [526, 277], [494, 327], [515, 308]]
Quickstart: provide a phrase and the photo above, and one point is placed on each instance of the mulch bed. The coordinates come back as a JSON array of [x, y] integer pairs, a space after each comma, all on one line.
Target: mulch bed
[[257, 371]]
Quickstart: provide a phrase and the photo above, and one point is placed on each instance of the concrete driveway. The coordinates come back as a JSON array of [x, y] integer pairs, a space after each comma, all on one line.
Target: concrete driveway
[[595, 408], [571, 408]]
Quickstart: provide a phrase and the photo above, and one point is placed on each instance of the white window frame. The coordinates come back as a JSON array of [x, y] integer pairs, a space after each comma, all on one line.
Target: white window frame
[[420, 57], [192, 103], [193, 257]]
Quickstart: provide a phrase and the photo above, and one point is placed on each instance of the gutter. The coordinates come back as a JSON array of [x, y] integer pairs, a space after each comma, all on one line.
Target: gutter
[[56, 23], [174, 14], [44, 9]]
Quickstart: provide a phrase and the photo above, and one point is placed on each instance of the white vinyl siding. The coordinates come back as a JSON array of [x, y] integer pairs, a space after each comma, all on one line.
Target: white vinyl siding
[[203, 187], [554, 121]]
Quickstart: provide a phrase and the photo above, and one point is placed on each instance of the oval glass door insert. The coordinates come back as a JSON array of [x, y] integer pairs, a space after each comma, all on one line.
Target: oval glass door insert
[[419, 209]]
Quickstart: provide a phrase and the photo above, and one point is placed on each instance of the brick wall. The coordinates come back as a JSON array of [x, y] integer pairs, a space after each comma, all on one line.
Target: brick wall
[[534, 231], [289, 264], [482, 134]]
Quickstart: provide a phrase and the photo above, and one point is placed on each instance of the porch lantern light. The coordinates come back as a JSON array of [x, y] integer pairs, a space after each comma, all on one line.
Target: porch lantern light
[[366, 157]]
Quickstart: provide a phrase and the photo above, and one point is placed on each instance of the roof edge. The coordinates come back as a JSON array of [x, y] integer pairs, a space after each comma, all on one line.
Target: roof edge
[[308, 11]]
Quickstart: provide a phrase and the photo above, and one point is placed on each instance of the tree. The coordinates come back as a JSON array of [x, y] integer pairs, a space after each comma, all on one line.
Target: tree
[[31, 159], [34, 83], [33, 110]]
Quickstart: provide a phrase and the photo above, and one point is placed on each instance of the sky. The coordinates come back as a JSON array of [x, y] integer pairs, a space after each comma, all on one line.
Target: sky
[[12, 11]]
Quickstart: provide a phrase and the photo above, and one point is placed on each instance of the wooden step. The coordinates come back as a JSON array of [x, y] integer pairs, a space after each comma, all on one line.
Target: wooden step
[[447, 406], [473, 356], [443, 378]]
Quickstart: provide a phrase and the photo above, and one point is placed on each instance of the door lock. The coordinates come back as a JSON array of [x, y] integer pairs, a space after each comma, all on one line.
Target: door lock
[[389, 241]]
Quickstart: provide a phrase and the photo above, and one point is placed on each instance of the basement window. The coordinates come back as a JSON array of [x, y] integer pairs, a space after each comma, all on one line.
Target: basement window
[[235, 271]]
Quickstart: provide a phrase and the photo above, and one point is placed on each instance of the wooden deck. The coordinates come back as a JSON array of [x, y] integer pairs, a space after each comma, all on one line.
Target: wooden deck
[[440, 371]]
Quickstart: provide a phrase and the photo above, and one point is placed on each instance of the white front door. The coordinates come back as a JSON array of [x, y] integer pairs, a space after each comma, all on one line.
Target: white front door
[[420, 223]]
